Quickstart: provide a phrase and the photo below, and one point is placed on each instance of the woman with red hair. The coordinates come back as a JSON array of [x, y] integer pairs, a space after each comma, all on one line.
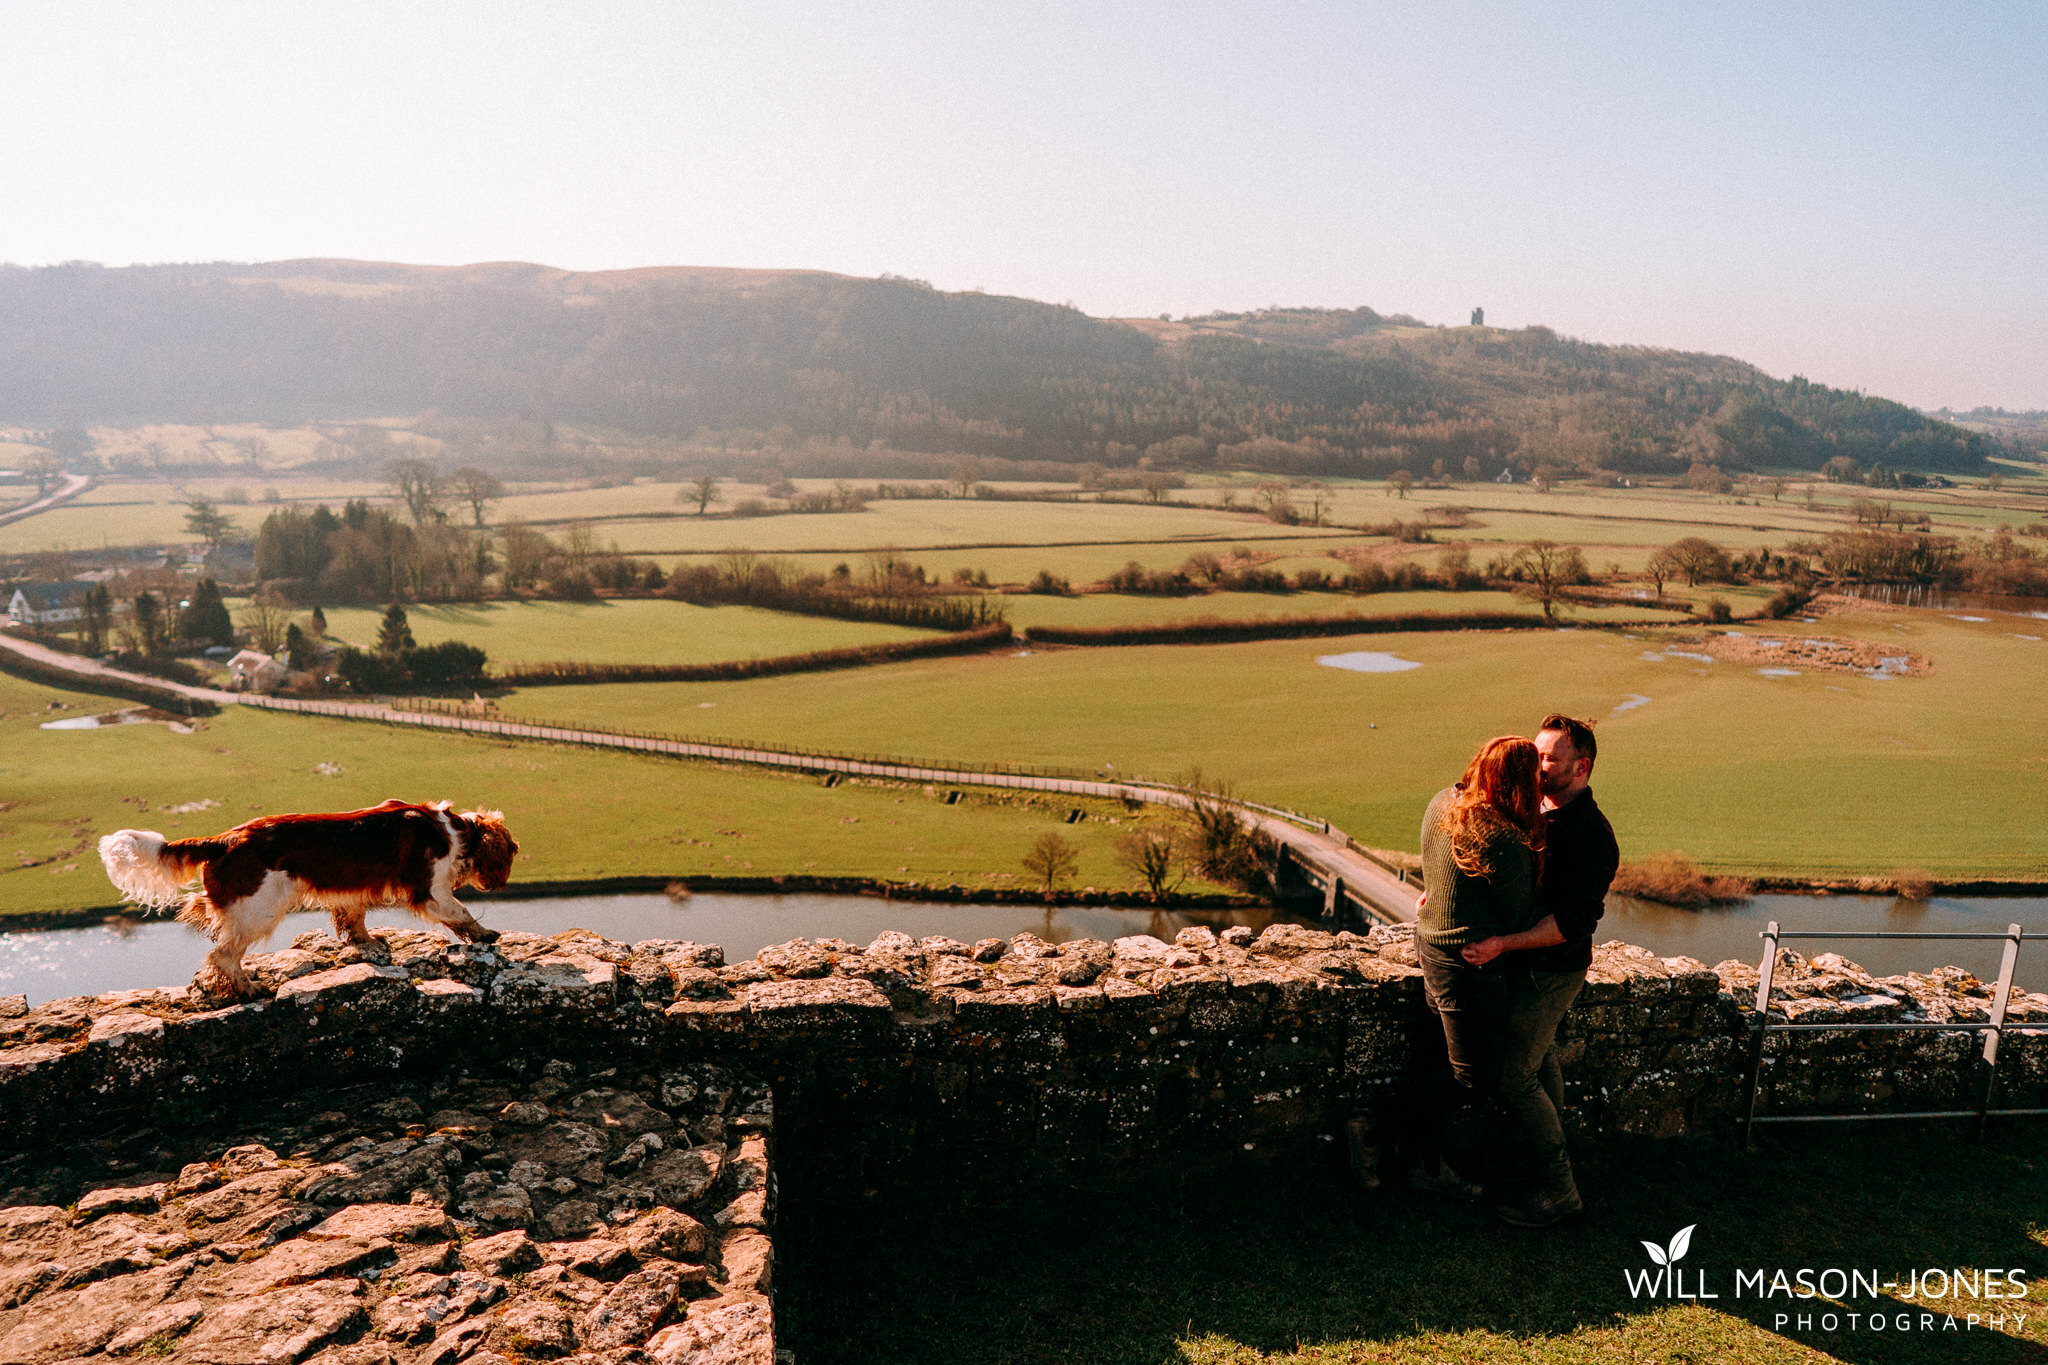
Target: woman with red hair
[[1482, 846]]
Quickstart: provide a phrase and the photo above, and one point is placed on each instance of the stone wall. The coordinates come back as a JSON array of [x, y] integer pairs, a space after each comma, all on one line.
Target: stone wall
[[1000, 1053], [603, 1110], [521, 1212]]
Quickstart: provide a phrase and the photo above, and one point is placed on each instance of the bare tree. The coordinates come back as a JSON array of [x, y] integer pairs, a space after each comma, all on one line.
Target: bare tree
[[1547, 569], [1320, 496], [1663, 565], [1401, 481], [1155, 482], [479, 488], [1052, 860], [1153, 855], [579, 542], [46, 469], [526, 550], [419, 488], [265, 618], [702, 490], [966, 477]]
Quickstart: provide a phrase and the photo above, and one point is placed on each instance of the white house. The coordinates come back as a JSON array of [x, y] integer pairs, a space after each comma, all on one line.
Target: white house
[[254, 671], [48, 604]]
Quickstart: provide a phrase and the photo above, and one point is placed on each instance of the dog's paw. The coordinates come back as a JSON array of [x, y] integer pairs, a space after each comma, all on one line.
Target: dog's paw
[[481, 935], [213, 989]]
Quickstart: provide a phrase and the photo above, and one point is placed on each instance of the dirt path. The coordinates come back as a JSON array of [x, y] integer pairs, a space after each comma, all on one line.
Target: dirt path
[[74, 484]]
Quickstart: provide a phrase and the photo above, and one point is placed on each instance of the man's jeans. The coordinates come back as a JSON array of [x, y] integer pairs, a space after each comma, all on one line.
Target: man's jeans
[[1469, 1005], [1531, 1088]]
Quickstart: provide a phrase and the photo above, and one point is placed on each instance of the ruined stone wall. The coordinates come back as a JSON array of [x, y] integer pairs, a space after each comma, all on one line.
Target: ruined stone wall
[[999, 1058]]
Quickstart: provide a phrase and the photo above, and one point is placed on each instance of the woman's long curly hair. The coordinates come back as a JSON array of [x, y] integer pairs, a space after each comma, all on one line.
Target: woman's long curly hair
[[1498, 792]]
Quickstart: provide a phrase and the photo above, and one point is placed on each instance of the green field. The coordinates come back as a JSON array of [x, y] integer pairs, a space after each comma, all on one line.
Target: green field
[[620, 632], [1822, 773], [152, 512], [1078, 564], [576, 813], [910, 524], [1117, 609]]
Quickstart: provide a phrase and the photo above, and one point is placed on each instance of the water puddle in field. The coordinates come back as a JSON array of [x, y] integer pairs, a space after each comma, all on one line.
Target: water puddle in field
[[1634, 700], [1365, 661], [1970, 618], [1779, 672], [127, 715], [1658, 656]]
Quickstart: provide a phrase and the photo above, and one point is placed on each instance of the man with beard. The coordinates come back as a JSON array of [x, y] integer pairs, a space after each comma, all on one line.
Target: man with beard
[[1548, 963]]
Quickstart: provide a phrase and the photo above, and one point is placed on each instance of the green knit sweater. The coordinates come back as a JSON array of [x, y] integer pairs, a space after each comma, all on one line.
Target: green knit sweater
[[1462, 908]]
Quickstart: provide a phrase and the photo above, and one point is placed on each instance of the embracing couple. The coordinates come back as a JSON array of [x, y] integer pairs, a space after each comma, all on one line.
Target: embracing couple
[[1516, 862]]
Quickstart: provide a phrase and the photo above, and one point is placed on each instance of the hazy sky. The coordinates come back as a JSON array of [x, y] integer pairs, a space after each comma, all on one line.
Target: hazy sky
[[1852, 191]]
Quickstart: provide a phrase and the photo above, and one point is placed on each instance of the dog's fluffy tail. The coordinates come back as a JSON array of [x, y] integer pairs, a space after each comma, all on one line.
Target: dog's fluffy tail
[[147, 869]]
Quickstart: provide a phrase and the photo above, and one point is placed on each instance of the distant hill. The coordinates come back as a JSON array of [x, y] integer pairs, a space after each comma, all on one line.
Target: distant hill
[[674, 353]]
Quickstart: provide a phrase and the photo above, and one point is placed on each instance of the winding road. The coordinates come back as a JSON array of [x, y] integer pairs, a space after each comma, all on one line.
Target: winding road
[[1323, 854], [74, 484]]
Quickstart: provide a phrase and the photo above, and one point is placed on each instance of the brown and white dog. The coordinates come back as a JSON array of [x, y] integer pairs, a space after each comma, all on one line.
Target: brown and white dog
[[346, 862]]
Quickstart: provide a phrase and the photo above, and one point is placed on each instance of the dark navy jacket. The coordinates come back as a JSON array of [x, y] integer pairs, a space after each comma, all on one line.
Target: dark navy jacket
[[1579, 859]]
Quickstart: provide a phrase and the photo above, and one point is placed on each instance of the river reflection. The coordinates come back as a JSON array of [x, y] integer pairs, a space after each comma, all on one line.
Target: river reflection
[[1731, 932], [130, 954]]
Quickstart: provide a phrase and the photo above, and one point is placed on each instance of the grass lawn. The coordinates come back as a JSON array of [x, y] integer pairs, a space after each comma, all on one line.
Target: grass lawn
[[625, 632], [1294, 1264], [1823, 773], [575, 813]]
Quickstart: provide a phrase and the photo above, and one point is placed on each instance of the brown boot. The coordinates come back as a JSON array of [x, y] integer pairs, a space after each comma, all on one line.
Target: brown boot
[[1433, 1175], [1553, 1198], [1367, 1150]]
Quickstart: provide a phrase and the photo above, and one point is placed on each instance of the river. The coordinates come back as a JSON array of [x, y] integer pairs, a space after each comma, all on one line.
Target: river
[[129, 954]]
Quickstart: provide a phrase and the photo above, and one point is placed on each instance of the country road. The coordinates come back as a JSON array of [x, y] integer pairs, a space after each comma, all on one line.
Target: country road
[[1324, 854], [74, 484]]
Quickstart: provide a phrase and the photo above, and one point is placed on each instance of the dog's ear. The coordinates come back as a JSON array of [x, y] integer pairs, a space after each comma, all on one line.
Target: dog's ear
[[491, 848]]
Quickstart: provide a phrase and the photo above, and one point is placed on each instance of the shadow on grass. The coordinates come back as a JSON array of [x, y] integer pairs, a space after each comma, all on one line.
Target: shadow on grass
[[1278, 1261]]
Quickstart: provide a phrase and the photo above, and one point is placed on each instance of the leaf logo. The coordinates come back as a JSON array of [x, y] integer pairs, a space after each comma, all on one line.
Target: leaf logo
[[1680, 1243]]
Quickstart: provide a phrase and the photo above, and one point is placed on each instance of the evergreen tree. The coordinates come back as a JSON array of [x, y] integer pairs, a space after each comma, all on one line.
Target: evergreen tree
[[209, 523], [319, 620], [394, 636], [205, 619], [99, 618], [298, 651], [149, 624]]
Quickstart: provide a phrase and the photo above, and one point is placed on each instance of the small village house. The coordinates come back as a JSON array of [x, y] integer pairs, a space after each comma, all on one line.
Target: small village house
[[254, 671], [48, 604]]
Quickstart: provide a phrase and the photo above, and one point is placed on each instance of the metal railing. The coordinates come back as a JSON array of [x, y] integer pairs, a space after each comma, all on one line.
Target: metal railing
[[1993, 1028]]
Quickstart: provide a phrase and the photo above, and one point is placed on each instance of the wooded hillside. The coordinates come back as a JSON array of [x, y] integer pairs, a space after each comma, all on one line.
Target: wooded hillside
[[796, 356]]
